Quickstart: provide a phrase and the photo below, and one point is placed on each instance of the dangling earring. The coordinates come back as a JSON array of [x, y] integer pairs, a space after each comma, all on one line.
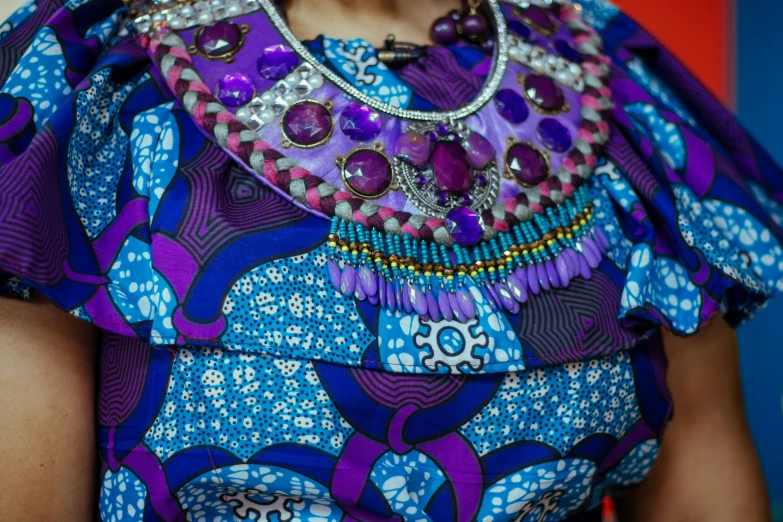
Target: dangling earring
[[467, 25]]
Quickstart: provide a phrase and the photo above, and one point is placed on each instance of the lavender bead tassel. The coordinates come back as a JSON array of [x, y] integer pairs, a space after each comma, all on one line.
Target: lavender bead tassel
[[532, 280], [589, 245], [445, 305], [584, 268], [432, 306], [348, 280], [466, 304], [551, 273], [506, 299], [405, 297], [454, 302], [543, 278], [417, 300], [382, 296], [359, 294], [562, 269], [367, 280], [518, 291], [335, 273], [391, 296]]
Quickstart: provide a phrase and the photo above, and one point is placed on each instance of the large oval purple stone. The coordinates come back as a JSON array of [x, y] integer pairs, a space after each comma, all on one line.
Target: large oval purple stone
[[276, 61], [511, 106], [451, 167], [414, 147], [218, 39], [544, 92], [307, 124], [367, 173], [235, 89], [526, 164], [480, 151], [360, 123], [465, 225], [538, 16], [554, 135]]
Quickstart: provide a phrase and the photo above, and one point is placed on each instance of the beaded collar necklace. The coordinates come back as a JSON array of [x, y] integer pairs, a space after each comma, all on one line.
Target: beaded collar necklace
[[424, 210]]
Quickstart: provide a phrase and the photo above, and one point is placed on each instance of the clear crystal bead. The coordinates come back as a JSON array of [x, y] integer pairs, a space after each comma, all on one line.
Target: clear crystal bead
[[303, 88], [177, 22], [279, 105], [187, 11]]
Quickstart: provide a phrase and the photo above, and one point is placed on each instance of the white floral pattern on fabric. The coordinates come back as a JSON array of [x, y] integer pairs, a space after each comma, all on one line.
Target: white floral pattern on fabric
[[40, 77], [408, 482], [732, 239], [141, 293], [547, 491], [632, 470], [639, 71], [244, 403], [664, 135], [412, 345], [357, 60], [558, 406], [18, 17], [663, 283], [155, 142], [609, 185], [260, 493], [773, 208], [123, 497]]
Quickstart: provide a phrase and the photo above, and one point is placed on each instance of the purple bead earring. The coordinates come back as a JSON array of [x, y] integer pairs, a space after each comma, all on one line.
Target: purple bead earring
[[468, 25]]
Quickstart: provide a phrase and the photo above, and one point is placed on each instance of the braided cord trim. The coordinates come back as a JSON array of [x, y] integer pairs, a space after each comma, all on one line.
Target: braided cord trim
[[175, 63]]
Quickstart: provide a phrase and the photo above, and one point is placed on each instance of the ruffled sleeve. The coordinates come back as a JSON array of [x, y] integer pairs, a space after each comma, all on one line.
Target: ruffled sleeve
[[698, 200]]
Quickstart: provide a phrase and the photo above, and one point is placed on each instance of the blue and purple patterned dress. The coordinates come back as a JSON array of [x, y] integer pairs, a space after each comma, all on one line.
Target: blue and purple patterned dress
[[333, 291]]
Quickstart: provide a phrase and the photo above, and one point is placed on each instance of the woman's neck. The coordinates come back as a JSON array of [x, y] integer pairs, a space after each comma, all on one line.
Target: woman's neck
[[373, 20]]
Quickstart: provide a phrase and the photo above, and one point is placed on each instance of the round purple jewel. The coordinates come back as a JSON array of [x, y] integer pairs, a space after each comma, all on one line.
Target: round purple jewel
[[528, 166], [480, 151], [235, 90], [276, 61], [544, 93], [414, 147], [219, 40], [565, 49], [444, 31], [511, 106], [451, 167], [465, 225], [540, 18], [307, 124], [367, 173], [518, 28], [360, 123], [554, 135]]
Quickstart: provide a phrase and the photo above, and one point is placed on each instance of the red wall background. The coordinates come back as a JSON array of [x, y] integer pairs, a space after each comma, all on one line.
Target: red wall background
[[700, 32]]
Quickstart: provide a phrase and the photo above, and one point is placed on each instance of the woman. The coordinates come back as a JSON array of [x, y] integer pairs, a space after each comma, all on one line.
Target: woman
[[460, 281]]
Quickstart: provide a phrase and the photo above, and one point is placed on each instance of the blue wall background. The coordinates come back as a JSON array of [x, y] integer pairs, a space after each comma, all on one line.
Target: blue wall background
[[760, 106]]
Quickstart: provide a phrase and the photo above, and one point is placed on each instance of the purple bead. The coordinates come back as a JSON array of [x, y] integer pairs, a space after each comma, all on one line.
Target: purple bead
[[505, 297], [482, 181], [367, 280], [421, 180], [348, 280], [554, 135], [474, 27], [543, 278], [443, 198], [551, 273], [466, 199], [480, 151], [466, 304], [405, 297], [455, 15], [588, 246], [488, 46], [359, 294], [573, 263], [454, 303], [562, 270], [367, 173], [518, 291], [276, 61], [373, 299], [532, 280], [382, 291], [444, 31], [235, 90], [464, 225], [538, 16], [414, 147], [451, 167], [511, 106], [494, 298], [360, 123], [584, 268], [335, 273], [518, 28], [417, 300], [391, 296], [566, 50], [544, 92], [526, 164], [220, 39], [432, 306], [445, 305], [397, 294], [307, 123]]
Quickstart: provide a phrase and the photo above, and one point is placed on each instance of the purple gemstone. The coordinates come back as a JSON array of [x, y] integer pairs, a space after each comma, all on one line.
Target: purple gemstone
[[235, 90], [360, 123], [307, 123], [526, 164], [276, 61], [414, 147], [518, 28], [443, 198], [421, 180], [480, 151], [544, 92], [451, 167], [538, 16], [219, 39], [367, 173], [466, 199], [465, 225], [444, 31], [511, 106], [474, 27], [481, 179], [554, 135], [565, 49]]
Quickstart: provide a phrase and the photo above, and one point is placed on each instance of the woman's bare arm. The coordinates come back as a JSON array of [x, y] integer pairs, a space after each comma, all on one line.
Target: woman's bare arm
[[707, 469], [47, 405]]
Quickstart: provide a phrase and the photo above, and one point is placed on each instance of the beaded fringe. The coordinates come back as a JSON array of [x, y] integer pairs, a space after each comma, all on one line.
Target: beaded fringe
[[405, 274]]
